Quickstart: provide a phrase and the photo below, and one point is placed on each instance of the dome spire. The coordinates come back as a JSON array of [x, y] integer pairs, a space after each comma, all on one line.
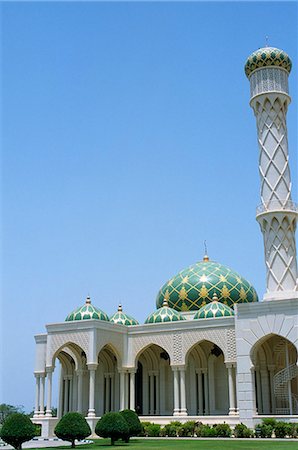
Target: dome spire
[[120, 307], [206, 257], [165, 302], [88, 300], [214, 298]]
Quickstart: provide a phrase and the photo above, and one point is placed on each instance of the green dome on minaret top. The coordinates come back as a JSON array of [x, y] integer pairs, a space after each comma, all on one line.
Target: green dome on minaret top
[[267, 57], [195, 286], [87, 311]]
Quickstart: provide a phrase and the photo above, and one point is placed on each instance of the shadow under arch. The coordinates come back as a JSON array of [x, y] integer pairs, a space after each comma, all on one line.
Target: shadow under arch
[[206, 379], [275, 375], [109, 347], [153, 381], [74, 351]]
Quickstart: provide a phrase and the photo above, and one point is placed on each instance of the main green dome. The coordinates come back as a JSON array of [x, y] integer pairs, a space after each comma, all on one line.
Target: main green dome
[[87, 311], [195, 286], [267, 57]]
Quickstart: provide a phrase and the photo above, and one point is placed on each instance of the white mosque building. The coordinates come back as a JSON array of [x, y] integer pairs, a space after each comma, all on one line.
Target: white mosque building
[[211, 351]]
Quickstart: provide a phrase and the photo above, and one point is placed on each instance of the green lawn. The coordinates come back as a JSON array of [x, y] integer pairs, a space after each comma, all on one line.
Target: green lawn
[[148, 444]]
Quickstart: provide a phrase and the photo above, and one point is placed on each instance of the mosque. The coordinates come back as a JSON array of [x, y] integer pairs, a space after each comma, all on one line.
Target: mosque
[[212, 351]]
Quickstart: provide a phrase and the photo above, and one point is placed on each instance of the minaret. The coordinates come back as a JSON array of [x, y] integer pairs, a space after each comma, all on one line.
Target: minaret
[[267, 70]]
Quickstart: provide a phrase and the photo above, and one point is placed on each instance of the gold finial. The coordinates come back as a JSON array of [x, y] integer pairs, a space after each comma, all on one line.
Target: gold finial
[[88, 300], [119, 307], [206, 257], [165, 302], [214, 298]]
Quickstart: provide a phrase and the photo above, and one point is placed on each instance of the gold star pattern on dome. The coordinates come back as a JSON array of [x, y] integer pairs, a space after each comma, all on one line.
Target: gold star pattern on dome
[[203, 279]]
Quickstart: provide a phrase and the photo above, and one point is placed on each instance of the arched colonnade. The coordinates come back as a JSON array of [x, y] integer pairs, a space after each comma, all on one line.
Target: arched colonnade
[[205, 385]]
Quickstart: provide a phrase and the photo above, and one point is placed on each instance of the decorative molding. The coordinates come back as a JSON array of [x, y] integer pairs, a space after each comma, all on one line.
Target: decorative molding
[[57, 341]]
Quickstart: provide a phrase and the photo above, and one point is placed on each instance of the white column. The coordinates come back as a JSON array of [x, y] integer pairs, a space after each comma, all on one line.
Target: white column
[[265, 390], [60, 402], [183, 410], [92, 371], [132, 391], [122, 390], [206, 391], [70, 408], [42, 386], [66, 397], [107, 393], [272, 397], [49, 392], [126, 389], [151, 378], [200, 393], [80, 390], [112, 388], [145, 391], [176, 392], [162, 389], [259, 393], [232, 406], [157, 388], [289, 382], [37, 395]]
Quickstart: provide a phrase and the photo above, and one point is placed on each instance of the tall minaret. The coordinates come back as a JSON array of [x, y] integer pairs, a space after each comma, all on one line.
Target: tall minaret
[[267, 70]]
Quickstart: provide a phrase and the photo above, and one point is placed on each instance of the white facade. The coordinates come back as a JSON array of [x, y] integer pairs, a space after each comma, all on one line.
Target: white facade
[[232, 369]]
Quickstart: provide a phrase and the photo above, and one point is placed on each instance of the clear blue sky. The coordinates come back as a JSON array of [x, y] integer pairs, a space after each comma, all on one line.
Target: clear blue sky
[[127, 141]]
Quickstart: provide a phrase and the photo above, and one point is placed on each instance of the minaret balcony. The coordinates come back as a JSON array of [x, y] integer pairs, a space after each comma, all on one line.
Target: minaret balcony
[[277, 205]]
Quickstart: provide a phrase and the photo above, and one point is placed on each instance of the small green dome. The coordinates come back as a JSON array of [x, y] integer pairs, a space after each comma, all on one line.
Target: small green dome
[[86, 312], [122, 318], [214, 309], [267, 57], [164, 314], [194, 286]]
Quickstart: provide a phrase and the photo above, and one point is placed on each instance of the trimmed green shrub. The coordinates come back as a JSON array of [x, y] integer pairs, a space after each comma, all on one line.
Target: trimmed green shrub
[[242, 431], [72, 426], [133, 423], [17, 428], [265, 430], [144, 426], [206, 431], [187, 429], [282, 429], [223, 430], [269, 421], [292, 430], [171, 429], [153, 430], [112, 425]]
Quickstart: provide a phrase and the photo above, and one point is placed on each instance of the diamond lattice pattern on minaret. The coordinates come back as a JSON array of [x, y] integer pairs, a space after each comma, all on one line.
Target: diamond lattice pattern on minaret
[[273, 161]]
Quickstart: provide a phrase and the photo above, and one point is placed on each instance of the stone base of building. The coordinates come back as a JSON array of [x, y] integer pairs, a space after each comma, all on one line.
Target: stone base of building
[[48, 423]]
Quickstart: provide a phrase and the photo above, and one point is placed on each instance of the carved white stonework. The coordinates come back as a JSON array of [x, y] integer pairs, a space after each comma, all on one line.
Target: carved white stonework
[[216, 336], [268, 80], [114, 340], [140, 343], [59, 340], [178, 348], [277, 213]]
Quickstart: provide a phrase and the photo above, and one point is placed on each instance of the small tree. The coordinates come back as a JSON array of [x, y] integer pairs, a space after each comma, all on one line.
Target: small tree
[[72, 426], [112, 425], [133, 423], [17, 429]]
